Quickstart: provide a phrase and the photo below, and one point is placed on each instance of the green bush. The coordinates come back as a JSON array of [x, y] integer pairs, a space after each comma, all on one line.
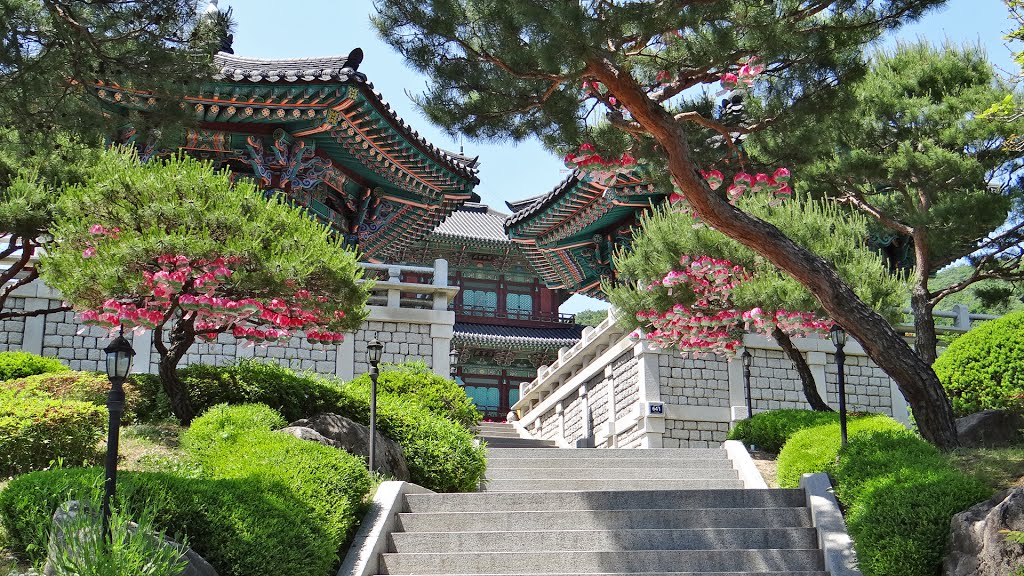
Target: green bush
[[900, 493], [440, 395], [984, 368], [21, 364], [258, 502], [440, 453], [89, 387], [294, 395], [35, 431], [814, 449], [770, 430]]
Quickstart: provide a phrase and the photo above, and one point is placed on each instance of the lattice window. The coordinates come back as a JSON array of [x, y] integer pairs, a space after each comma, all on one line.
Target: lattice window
[[519, 305], [480, 301], [485, 397]]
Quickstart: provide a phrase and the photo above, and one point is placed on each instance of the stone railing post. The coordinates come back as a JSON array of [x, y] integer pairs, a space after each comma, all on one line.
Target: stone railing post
[[963, 317], [649, 381], [441, 281], [394, 294]]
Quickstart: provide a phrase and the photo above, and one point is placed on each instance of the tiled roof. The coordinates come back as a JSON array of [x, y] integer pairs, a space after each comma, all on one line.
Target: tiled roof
[[474, 221], [517, 205], [515, 335], [540, 202], [231, 68]]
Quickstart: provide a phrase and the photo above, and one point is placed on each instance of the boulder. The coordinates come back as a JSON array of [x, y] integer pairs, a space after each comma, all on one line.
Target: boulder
[[977, 547], [354, 438], [85, 521], [990, 429], [304, 433]]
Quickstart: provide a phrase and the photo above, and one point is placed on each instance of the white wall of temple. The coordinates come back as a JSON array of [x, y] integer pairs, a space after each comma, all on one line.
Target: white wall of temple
[[620, 391], [411, 320]]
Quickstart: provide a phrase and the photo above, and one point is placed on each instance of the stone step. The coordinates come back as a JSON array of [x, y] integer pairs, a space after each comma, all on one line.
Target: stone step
[[604, 500], [607, 519], [603, 484], [648, 454], [606, 540], [629, 562], [615, 472], [497, 462], [520, 443], [497, 434]]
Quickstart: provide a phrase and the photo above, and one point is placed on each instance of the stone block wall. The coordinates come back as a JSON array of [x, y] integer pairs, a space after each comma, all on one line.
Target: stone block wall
[[12, 330], [626, 377], [694, 434], [693, 381], [868, 387], [778, 383]]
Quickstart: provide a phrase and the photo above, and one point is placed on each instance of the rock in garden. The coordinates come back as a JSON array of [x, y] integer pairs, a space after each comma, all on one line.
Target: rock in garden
[[977, 544], [69, 515], [354, 438], [990, 429], [304, 433]]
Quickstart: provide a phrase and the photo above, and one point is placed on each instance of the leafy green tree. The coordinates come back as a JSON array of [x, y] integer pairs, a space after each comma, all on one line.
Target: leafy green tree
[[590, 317], [996, 297], [644, 72], [670, 234], [175, 247], [914, 156], [53, 52]]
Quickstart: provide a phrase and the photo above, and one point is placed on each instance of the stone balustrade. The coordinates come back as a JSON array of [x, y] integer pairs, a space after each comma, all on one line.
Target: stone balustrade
[[614, 389]]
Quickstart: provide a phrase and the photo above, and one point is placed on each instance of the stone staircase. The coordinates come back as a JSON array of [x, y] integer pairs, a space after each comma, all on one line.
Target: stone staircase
[[668, 512], [498, 435]]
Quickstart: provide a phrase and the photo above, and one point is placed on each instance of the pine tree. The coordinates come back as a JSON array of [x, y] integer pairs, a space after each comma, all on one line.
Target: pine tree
[[511, 70], [913, 155]]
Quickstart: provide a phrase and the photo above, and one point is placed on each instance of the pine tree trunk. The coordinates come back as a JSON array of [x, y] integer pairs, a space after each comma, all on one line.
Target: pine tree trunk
[[800, 363], [915, 377], [182, 336], [921, 306]]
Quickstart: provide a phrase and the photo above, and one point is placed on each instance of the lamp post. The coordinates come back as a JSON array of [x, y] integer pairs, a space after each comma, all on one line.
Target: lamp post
[[838, 336], [453, 361], [119, 362], [747, 361], [374, 349]]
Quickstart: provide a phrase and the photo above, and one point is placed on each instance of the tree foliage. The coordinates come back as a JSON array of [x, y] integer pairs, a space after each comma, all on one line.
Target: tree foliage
[[641, 76], [913, 154], [177, 247]]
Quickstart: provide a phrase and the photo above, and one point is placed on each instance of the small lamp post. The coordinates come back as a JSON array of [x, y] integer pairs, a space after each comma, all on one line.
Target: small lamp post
[[747, 361], [838, 336], [119, 363], [374, 350], [453, 361]]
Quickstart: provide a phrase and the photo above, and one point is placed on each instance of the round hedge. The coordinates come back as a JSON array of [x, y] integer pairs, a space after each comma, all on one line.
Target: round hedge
[[984, 368]]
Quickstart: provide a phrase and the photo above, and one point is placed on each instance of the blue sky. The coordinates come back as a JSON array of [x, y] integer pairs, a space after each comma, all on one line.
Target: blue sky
[[303, 28]]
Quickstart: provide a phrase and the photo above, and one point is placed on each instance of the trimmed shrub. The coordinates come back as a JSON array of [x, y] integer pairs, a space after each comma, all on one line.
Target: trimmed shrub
[[900, 493], [984, 368], [21, 364], [442, 396], [89, 387], [257, 502], [440, 453], [294, 395], [814, 449], [35, 431], [770, 430]]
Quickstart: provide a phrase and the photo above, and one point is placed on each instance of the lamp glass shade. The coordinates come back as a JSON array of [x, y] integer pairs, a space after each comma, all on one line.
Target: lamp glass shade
[[838, 336], [374, 350], [747, 358], [119, 358], [453, 357]]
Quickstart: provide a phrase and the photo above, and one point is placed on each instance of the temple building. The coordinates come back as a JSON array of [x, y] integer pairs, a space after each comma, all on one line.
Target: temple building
[[507, 322]]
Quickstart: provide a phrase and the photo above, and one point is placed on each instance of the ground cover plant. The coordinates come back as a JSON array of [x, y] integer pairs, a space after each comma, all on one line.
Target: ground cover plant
[[21, 364], [440, 395], [439, 451], [984, 368], [814, 449], [770, 430], [250, 500]]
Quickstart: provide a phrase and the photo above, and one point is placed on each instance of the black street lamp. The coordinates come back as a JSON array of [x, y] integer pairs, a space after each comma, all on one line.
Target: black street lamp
[[747, 361], [453, 361], [119, 363], [838, 336], [374, 350]]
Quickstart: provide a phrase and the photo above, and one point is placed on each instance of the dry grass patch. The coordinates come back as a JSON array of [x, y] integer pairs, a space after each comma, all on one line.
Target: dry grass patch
[[999, 468]]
